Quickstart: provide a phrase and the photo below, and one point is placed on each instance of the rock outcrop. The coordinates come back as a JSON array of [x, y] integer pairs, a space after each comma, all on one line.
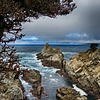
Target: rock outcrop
[[34, 78], [84, 69], [68, 94], [51, 57], [10, 87]]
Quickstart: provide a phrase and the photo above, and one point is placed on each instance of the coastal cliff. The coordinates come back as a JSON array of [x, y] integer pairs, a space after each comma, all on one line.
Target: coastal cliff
[[84, 69]]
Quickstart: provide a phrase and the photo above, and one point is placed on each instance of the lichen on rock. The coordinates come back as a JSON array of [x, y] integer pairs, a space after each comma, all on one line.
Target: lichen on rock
[[67, 93], [10, 88], [51, 57], [84, 69]]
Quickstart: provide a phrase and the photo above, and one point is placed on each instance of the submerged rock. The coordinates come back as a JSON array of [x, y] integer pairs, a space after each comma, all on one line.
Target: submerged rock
[[51, 57], [68, 94]]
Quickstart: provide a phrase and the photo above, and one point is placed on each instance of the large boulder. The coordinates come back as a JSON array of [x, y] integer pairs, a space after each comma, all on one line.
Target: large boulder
[[68, 94], [10, 88], [32, 76], [51, 57], [84, 69]]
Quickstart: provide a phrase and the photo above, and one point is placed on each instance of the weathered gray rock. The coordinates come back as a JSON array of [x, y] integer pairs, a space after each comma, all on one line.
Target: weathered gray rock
[[32, 76], [68, 94], [51, 57], [10, 88], [84, 69]]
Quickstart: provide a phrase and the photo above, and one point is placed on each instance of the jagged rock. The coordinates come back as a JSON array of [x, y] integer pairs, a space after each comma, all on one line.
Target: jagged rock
[[68, 94], [39, 90], [10, 88], [51, 57], [84, 69], [34, 78]]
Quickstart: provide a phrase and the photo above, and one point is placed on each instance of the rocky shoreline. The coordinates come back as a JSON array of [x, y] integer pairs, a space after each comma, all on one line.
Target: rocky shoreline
[[34, 78], [82, 69], [67, 93], [11, 87]]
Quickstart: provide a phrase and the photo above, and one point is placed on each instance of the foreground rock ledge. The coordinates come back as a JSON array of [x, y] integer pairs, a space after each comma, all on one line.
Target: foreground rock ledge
[[10, 87], [68, 94], [51, 57]]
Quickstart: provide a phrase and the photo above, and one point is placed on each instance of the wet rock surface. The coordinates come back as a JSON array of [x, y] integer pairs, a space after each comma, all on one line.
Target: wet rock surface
[[34, 78], [10, 87], [67, 93], [51, 57]]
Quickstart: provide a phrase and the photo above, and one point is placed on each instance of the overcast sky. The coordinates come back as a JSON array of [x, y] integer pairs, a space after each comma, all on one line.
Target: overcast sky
[[81, 25]]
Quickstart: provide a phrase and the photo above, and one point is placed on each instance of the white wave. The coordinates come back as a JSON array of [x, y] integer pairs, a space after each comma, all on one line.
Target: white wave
[[42, 74], [71, 53], [51, 70], [27, 58], [54, 80], [39, 64], [79, 90], [50, 76], [27, 88], [23, 53], [45, 77], [35, 58]]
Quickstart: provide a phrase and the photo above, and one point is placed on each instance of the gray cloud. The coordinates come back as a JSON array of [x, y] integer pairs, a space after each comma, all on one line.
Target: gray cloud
[[85, 19]]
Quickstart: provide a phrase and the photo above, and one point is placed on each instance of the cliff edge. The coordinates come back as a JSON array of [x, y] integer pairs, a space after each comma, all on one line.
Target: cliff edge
[[84, 69]]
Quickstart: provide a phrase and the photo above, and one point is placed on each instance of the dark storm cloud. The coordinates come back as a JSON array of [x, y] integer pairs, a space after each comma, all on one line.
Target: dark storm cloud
[[83, 24], [90, 18]]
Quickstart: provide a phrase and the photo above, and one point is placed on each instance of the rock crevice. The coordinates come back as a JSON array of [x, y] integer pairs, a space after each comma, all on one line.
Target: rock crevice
[[82, 69]]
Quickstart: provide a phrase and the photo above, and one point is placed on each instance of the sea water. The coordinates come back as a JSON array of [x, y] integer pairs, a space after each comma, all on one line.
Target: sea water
[[50, 80]]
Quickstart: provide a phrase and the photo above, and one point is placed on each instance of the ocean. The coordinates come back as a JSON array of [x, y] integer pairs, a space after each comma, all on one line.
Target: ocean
[[50, 80]]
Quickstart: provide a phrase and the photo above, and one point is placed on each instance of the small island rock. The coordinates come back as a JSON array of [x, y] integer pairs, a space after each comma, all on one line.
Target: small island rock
[[51, 57]]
